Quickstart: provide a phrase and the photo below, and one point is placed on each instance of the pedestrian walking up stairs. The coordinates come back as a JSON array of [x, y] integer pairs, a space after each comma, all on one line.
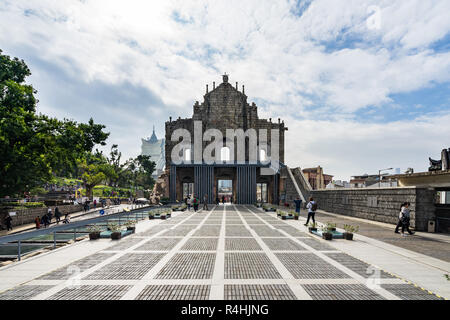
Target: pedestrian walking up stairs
[[298, 184]]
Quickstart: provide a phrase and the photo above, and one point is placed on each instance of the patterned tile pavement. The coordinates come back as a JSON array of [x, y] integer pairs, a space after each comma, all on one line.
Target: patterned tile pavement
[[249, 254]]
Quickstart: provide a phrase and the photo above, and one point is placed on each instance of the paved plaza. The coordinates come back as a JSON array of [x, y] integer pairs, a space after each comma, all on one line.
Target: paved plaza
[[231, 252]]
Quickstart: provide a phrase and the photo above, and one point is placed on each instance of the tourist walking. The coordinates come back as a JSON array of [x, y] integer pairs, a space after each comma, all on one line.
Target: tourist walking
[[8, 222], [95, 203], [405, 216], [49, 215], [195, 203], [37, 221], [400, 223], [57, 215], [312, 207], [205, 202], [44, 220], [189, 202], [298, 203], [223, 199]]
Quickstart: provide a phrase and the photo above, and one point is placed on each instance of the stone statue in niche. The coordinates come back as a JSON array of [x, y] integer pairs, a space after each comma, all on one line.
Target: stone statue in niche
[[443, 164]]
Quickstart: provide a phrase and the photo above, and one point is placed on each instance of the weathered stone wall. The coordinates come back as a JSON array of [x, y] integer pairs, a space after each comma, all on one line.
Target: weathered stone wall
[[225, 107], [28, 216], [379, 204]]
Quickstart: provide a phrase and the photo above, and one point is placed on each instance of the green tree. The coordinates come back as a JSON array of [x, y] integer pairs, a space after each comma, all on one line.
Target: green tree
[[34, 147]]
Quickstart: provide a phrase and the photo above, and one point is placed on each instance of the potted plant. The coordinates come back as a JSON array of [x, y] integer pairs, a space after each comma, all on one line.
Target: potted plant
[[151, 215], [131, 225], [326, 231], [283, 215], [116, 234], [162, 216], [295, 215], [312, 226], [331, 226], [278, 213], [349, 231], [94, 232]]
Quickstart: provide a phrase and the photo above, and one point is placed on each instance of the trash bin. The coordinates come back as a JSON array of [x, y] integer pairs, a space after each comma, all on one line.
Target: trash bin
[[431, 226]]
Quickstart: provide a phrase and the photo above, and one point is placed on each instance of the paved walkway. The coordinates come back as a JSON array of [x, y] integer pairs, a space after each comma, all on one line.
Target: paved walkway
[[230, 252], [436, 246]]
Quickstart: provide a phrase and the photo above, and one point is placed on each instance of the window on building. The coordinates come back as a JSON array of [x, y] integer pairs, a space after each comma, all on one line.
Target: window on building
[[187, 155], [262, 155], [225, 154]]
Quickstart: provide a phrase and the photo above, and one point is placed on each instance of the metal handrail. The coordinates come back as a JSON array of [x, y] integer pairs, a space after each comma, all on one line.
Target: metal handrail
[[69, 226]]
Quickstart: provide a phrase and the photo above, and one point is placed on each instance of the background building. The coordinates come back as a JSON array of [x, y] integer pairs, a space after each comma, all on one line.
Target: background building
[[155, 148], [317, 179]]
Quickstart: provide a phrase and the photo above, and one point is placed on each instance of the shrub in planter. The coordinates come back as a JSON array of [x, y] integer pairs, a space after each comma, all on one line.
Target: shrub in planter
[[94, 232], [349, 231], [131, 225], [326, 230], [327, 236], [294, 214], [151, 215], [115, 231], [116, 235], [312, 226]]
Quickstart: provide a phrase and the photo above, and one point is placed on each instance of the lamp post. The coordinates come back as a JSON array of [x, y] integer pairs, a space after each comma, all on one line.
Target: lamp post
[[379, 176]]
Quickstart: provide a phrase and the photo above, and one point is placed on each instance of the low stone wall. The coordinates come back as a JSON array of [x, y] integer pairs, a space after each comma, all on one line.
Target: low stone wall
[[379, 204], [28, 216]]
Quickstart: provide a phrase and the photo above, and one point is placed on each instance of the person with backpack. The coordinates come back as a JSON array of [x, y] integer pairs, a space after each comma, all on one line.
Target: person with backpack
[[312, 207]]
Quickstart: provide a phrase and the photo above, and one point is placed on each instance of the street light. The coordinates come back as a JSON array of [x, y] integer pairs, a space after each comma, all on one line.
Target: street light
[[379, 176]]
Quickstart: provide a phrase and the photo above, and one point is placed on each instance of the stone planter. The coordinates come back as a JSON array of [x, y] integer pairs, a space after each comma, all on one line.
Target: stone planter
[[163, 217], [94, 235], [151, 217], [295, 217], [283, 217], [133, 229], [116, 235], [327, 236], [348, 236]]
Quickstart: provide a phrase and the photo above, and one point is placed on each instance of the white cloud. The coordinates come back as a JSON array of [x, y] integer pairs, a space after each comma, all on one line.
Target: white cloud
[[299, 67]]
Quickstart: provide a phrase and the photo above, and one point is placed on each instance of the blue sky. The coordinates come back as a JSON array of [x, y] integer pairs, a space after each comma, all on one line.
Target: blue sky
[[361, 84]]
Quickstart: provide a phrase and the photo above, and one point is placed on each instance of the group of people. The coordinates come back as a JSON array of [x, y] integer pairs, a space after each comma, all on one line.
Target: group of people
[[403, 218], [46, 219], [311, 206], [193, 202]]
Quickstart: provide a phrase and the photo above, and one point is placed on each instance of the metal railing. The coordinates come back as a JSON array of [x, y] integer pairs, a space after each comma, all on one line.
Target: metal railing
[[19, 237]]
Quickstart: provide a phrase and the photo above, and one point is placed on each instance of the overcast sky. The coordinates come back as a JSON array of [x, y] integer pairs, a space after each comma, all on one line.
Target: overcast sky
[[362, 85]]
